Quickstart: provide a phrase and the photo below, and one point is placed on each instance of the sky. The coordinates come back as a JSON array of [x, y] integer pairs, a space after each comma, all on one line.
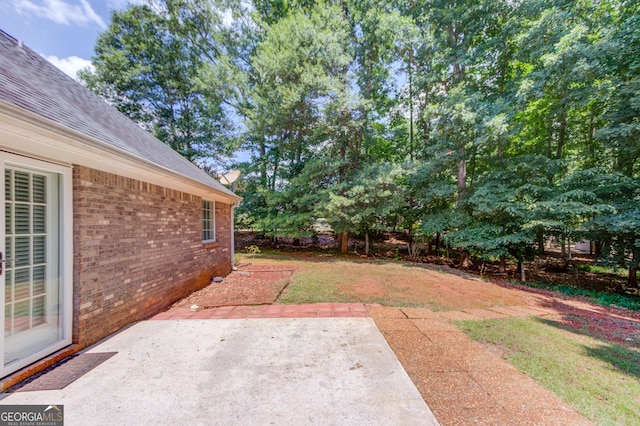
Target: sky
[[63, 31]]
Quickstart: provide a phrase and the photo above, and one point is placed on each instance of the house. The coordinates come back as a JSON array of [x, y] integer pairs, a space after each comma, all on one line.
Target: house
[[102, 223]]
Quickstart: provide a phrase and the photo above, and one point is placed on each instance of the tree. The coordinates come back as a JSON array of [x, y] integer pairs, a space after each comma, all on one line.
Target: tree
[[618, 224], [510, 120], [503, 211], [300, 68], [363, 204], [151, 73], [618, 51]]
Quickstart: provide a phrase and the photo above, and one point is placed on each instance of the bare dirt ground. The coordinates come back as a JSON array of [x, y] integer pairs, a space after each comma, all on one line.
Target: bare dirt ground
[[249, 285], [262, 280], [437, 286]]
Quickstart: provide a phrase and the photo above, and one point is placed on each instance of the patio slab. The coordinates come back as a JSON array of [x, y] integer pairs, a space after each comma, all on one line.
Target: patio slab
[[284, 371]]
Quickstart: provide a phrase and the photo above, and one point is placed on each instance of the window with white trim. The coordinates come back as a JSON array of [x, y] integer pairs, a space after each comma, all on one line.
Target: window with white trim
[[208, 221]]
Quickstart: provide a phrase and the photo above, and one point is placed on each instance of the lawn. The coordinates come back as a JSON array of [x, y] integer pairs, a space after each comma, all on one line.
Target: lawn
[[600, 379], [391, 283]]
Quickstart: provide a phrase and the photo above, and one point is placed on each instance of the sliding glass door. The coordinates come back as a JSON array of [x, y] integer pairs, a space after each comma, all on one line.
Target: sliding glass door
[[35, 322]]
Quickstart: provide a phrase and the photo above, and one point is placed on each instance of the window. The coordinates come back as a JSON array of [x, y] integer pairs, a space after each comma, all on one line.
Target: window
[[208, 221]]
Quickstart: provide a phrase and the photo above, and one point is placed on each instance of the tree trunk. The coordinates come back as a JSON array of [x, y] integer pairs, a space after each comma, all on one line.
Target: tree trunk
[[523, 277], [568, 249], [503, 264], [462, 175], [366, 244], [274, 177], [540, 238], [263, 163], [437, 244], [605, 250], [563, 249], [562, 133], [465, 259], [633, 277], [598, 248], [344, 242], [633, 268]]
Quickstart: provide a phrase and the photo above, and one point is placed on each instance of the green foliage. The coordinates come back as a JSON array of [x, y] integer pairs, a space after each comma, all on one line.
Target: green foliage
[[492, 124], [618, 226], [628, 301], [151, 73], [597, 269], [252, 250], [365, 201]]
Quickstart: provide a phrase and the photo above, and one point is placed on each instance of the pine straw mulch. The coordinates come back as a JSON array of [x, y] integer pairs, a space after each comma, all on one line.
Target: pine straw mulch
[[249, 285]]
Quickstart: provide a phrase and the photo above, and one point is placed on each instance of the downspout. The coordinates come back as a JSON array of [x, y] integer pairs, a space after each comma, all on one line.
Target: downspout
[[232, 239]]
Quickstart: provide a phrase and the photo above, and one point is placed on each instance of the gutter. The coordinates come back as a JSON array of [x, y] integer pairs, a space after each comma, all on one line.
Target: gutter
[[232, 245]]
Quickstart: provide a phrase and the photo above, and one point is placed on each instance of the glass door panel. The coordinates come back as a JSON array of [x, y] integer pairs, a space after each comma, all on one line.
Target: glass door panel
[[32, 316]]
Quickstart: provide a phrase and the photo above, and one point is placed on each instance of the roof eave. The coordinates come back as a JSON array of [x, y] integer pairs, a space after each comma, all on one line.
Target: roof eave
[[48, 125]]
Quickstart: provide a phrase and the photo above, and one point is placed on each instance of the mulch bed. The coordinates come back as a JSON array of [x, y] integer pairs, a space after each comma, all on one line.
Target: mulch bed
[[249, 285], [611, 323]]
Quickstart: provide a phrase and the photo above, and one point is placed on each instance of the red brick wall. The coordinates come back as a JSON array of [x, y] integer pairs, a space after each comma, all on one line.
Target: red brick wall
[[137, 249]]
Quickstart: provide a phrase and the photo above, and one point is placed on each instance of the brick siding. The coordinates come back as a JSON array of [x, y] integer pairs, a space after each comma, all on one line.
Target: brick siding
[[137, 249]]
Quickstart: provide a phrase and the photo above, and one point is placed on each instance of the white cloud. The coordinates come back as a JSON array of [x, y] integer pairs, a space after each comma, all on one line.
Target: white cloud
[[70, 65], [61, 12]]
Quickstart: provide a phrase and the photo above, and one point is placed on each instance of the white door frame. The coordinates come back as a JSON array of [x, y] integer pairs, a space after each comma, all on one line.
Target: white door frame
[[65, 252]]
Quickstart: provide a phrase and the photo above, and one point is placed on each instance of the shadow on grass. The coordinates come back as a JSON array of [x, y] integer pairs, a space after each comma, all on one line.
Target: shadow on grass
[[619, 357]]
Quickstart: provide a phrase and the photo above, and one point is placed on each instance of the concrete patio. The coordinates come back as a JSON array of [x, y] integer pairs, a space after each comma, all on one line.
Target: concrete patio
[[282, 371]]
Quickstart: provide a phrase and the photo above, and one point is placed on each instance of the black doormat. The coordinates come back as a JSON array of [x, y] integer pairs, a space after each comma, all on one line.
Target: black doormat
[[63, 373]]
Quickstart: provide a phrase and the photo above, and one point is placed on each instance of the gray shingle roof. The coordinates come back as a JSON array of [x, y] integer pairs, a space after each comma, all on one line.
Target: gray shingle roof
[[29, 81]]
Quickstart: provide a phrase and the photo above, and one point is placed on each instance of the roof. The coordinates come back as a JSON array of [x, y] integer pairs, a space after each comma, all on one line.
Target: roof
[[30, 82]]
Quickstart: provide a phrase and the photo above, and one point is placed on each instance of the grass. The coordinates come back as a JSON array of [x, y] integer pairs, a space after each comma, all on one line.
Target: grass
[[600, 379], [329, 279], [597, 269], [326, 278], [315, 287], [314, 281], [629, 301], [319, 282]]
